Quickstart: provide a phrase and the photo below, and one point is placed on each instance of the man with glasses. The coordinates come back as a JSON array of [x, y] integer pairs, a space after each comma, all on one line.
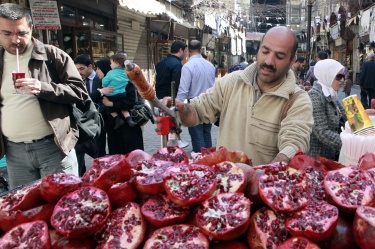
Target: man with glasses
[[36, 130]]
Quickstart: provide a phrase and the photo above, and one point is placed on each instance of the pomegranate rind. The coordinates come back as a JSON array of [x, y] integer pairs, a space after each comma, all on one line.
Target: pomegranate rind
[[66, 243], [22, 199], [80, 213], [210, 157], [160, 211], [55, 186], [124, 229], [224, 216], [137, 156], [106, 171], [348, 188], [316, 222], [283, 188], [33, 234], [171, 153], [261, 232], [149, 175], [188, 185], [121, 193], [184, 236], [298, 242], [230, 178], [364, 227]]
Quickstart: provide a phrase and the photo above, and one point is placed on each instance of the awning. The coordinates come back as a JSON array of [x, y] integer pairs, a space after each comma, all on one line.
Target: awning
[[151, 7]]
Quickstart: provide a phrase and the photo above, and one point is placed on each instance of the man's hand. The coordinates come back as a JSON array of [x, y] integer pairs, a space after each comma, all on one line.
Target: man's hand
[[168, 102], [29, 85]]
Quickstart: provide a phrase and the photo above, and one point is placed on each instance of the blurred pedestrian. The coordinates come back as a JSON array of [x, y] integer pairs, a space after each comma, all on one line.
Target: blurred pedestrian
[[298, 65], [310, 78], [243, 62], [367, 81], [348, 83]]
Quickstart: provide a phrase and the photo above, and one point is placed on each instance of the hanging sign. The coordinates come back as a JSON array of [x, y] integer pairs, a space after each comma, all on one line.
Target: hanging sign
[[45, 14]]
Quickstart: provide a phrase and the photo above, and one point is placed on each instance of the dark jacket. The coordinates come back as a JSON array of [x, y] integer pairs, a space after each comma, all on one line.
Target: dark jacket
[[95, 94], [367, 80], [167, 70], [54, 97], [325, 137]]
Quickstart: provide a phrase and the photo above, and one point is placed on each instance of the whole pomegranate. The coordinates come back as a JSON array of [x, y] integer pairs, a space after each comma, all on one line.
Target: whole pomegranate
[[171, 153], [55, 186], [124, 229], [189, 185], [298, 243], [178, 236], [148, 176], [159, 210], [267, 229], [224, 216], [317, 221], [364, 227], [33, 235], [121, 193], [283, 188], [80, 213], [106, 171], [348, 188], [230, 178]]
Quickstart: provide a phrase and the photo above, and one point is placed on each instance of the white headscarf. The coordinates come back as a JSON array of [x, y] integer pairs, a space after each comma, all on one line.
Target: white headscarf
[[325, 72]]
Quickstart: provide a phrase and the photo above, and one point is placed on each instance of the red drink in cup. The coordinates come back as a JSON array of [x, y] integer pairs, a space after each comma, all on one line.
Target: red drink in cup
[[15, 76]]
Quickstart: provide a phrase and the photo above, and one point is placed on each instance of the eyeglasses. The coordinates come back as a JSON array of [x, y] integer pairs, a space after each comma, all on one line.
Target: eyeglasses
[[340, 76], [9, 34]]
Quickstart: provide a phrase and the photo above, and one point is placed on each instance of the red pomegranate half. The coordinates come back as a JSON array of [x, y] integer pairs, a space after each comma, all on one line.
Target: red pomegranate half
[[82, 212], [124, 229], [106, 171], [33, 235], [55, 186], [283, 188], [230, 178], [178, 236], [137, 156], [121, 193], [188, 185], [171, 153], [267, 229], [364, 227], [210, 156], [160, 211], [298, 243], [224, 216], [348, 188], [317, 221]]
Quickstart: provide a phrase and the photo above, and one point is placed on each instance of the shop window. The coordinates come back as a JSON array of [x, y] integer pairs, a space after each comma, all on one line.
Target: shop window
[[104, 45]]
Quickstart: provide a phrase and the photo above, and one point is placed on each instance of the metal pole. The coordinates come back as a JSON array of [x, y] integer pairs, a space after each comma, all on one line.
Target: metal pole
[[308, 37]]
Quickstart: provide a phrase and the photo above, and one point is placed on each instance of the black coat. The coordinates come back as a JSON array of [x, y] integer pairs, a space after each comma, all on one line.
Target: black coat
[[167, 70], [367, 80]]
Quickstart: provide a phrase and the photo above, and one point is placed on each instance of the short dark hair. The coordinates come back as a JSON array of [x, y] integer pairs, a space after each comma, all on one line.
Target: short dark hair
[[322, 55], [300, 59], [177, 45], [204, 56], [328, 51], [195, 45], [15, 12], [83, 59], [120, 58]]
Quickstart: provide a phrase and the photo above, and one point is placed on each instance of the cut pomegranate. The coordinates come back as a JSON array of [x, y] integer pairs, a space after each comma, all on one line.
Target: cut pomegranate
[[301, 161], [121, 193], [230, 178], [80, 213], [178, 236], [55, 186], [210, 156], [224, 216], [22, 199], [330, 164], [124, 229], [252, 190], [189, 185], [348, 188], [298, 243], [367, 161], [364, 227], [238, 157], [228, 245], [316, 222], [267, 229], [159, 210], [283, 188], [10, 219], [66, 243], [137, 156], [106, 171], [33, 235], [148, 176], [171, 153]]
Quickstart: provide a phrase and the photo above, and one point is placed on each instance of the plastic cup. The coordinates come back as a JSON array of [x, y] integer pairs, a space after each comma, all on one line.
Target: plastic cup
[[16, 76]]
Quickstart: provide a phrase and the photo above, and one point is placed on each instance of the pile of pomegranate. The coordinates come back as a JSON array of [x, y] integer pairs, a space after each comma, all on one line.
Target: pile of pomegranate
[[216, 199]]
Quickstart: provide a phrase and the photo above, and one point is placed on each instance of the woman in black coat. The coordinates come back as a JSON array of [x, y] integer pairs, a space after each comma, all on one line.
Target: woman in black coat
[[124, 139]]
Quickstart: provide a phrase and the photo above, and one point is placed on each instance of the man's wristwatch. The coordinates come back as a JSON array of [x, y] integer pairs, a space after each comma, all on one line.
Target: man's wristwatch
[[100, 90]]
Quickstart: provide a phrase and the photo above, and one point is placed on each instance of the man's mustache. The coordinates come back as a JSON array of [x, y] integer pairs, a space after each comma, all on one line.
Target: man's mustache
[[270, 67]]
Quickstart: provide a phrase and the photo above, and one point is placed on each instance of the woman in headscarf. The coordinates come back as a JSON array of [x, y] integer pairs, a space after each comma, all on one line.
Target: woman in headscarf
[[327, 110]]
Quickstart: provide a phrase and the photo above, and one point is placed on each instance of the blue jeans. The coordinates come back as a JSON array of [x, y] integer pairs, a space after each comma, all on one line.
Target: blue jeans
[[200, 136], [27, 162]]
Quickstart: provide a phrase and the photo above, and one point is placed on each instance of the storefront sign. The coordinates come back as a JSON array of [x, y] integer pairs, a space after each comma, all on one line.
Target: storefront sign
[[335, 32], [45, 14]]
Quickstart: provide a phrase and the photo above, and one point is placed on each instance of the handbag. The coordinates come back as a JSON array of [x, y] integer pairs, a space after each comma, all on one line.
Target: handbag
[[141, 114]]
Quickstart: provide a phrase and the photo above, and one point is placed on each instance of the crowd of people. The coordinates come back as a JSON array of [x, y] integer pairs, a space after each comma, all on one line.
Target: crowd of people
[[248, 101]]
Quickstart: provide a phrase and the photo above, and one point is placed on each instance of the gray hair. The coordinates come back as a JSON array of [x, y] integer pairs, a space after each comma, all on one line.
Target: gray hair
[[371, 55], [15, 12]]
